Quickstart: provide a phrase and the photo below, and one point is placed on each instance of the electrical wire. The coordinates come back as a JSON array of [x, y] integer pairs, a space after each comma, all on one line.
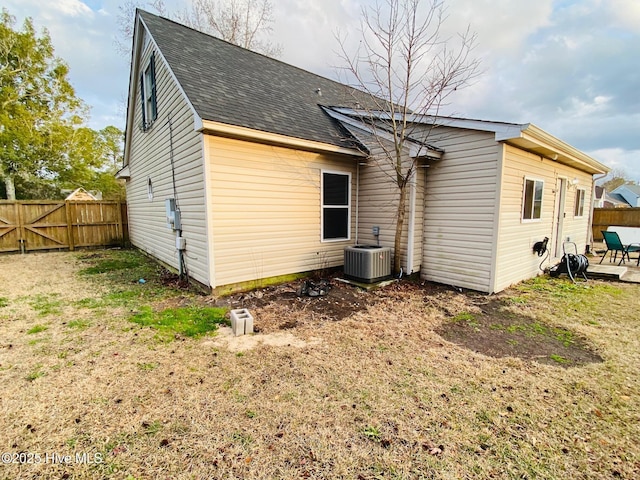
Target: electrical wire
[[181, 257]]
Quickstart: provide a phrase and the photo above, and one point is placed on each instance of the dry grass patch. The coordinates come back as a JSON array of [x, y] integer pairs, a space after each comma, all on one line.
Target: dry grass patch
[[375, 394]]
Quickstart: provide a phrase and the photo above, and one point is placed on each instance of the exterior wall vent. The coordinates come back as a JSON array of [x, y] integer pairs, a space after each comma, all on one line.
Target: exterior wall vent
[[367, 263]]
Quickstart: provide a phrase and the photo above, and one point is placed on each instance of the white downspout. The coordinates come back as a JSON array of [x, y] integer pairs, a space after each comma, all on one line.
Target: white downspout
[[412, 222], [357, 198], [594, 179]]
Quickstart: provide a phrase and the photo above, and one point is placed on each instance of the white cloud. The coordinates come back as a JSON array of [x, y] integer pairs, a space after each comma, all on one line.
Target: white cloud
[[568, 66], [72, 8], [503, 26], [628, 161], [307, 30], [626, 13]]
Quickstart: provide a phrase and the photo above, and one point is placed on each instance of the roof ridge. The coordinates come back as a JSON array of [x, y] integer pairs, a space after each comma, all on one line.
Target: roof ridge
[[289, 65]]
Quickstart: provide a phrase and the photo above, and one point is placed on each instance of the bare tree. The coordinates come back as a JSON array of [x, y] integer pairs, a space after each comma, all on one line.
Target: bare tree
[[616, 178], [408, 68], [242, 22]]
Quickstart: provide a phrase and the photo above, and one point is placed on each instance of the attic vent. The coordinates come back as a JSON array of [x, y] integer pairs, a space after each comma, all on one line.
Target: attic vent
[[367, 263], [319, 92]]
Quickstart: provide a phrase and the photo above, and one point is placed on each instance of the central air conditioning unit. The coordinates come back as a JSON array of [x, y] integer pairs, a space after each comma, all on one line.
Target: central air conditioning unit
[[367, 263]]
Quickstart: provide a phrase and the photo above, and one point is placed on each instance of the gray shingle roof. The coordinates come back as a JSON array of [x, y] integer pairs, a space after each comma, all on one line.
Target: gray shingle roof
[[229, 84]]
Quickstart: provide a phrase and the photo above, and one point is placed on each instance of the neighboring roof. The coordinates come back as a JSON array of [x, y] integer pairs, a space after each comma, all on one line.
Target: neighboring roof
[[599, 192], [80, 194], [632, 188], [523, 135], [615, 200], [231, 85], [630, 193]]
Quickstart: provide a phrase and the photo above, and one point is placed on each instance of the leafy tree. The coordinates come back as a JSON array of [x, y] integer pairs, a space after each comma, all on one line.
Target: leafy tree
[[93, 158], [242, 22], [409, 69], [112, 139], [45, 146], [39, 110], [110, 142]]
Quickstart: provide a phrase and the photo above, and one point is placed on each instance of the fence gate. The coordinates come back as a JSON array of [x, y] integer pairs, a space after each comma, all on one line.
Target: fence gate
[[47, 225], [9, 227]]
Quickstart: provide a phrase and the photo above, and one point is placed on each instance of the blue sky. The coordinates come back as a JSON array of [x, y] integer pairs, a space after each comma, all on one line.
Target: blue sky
[[569, 66]]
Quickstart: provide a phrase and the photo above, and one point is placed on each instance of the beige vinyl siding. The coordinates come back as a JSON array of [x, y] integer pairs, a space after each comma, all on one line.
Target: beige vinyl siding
[[378, 201], [150, 158], [460, 205], [378, 206], [265, 210], [516, 261]]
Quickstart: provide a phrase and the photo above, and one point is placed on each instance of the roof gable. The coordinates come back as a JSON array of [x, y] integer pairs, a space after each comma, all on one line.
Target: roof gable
[[231, 85]]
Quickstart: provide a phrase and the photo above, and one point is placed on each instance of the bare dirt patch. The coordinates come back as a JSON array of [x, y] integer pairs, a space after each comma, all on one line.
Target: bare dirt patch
[[490, 325], [283, 308], [495, 330]]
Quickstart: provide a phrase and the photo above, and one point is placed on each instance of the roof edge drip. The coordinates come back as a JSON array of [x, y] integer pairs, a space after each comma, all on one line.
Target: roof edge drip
[[244, 133]]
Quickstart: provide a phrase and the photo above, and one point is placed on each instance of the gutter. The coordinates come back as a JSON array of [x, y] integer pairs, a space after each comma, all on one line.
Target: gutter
[[536, 135], [244, 133], [591, 207]]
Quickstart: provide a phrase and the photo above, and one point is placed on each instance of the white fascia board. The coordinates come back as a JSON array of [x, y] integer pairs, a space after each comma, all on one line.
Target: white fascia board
[[133, 74], [502, 130], [133, 78], [545, 139], [422, 151], [244, 133], [123, 173], [197, 120], [415, 150]]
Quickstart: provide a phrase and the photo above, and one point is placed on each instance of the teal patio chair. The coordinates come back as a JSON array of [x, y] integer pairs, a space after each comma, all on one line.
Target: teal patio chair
[[614, 245]]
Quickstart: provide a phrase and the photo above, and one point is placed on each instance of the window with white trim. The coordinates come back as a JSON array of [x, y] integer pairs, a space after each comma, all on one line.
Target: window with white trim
[[336, 206], [579, 205], [532, 199], [148, 94]]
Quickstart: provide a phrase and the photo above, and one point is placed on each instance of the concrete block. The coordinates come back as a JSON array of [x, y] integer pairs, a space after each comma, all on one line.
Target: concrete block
[[248, 324], [241, 321]]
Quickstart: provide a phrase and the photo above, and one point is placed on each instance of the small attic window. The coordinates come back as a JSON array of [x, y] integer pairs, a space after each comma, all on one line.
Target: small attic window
[[148, 94]]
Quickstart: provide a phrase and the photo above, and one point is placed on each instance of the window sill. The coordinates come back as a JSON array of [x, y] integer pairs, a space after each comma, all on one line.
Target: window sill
[[334, 240]]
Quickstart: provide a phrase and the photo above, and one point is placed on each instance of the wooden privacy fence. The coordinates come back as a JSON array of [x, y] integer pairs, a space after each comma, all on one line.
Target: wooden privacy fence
[[607, 217], [47, 224]]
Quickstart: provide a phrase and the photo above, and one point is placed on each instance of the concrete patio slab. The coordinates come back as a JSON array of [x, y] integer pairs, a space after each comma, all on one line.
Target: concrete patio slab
[[606, 271]]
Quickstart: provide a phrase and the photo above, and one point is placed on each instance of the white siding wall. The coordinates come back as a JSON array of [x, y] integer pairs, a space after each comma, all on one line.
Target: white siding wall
[[461, 197], [151, 158], [516, 261], [265, 210]]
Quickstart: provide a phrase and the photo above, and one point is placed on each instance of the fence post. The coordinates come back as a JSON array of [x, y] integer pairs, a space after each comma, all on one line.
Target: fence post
[[67, 206], [120, 227], [20, 220]]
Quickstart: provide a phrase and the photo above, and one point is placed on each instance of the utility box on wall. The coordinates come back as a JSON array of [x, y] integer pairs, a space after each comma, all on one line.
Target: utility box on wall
[[173, 214], [367, 263]]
